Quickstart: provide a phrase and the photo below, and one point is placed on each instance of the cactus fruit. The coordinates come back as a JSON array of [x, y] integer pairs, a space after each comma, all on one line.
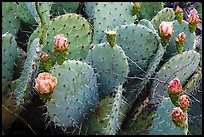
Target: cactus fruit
[[75, 95], [111, 65]]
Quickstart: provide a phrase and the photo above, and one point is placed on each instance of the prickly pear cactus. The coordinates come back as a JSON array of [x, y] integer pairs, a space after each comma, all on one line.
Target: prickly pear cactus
[[148, 24], [190, 39], [162, 123], [181, 66], [76, 29], [150, 9], [24, 14], [60, 8], [10, 21], [108, 117], [138, 51], [194, 87], [22, 92], [166, 14], [75, 96], [111, 65], [108, 15], [9, 55], [143, 122]]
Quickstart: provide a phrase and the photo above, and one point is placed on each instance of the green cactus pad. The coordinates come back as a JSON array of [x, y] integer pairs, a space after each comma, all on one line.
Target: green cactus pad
[[194, 87], [109, 108], [76, 29], [75, 95], [150, 9], [143, 122], [139, 44], [22, 92], [9, 55], [148, 24], [181, 66], [162, 123], [190, 39], [59, 8], [108, 15], [10, 21], [90, 8], [111, 65], [24, 14], [112, 125], [166, 14], [19, 62]]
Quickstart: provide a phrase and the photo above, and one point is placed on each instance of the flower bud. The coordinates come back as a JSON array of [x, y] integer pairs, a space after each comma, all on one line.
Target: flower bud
[[178, 115], [184, 101], [165, 32], [60, 43], [136, 8], [181, 38], [193, 20], [45, 83], [179, 14], [166, 28], [175, 86], [44, 56], [180, 41]]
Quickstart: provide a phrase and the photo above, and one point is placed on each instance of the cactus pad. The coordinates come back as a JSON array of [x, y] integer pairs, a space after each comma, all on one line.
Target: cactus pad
[[111, 65], [162, 123], [150, 9], [108, 15], [76, 29], [166, 14], [75, 96], [190, 38], [10, 21], [9, 55], [181, 66]]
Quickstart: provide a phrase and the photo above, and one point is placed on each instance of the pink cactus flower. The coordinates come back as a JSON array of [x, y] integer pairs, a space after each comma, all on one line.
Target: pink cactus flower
[[44, 56], [178, 115], [166, 28], [184, 101], [179, 10], [175, 86], [181, 38], [60, 43], [45, 83], [193, 16]]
